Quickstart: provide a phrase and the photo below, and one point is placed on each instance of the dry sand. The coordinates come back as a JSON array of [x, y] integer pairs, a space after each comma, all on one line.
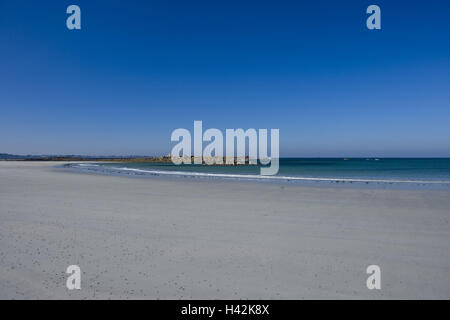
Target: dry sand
[[201, 239]]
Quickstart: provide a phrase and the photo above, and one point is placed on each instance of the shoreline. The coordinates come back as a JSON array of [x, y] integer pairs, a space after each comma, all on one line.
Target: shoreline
[[96, 168]]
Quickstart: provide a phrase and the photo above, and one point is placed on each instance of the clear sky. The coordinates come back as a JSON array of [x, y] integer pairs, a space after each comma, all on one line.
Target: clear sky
[[139, 69]]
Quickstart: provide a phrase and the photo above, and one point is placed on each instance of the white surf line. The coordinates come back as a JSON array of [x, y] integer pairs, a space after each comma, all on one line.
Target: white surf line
[[253, 176]]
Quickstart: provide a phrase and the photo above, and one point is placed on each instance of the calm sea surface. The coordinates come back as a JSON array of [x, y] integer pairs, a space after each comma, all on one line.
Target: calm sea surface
[[392, 169]]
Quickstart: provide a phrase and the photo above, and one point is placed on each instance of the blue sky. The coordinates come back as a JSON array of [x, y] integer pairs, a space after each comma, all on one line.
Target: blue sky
[[139, 69]]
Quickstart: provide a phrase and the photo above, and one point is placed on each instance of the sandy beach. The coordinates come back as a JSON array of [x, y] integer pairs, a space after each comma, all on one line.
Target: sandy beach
[[206, 239]]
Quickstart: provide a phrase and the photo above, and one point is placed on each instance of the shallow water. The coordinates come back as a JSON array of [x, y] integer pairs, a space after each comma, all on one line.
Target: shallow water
[[429, 172]]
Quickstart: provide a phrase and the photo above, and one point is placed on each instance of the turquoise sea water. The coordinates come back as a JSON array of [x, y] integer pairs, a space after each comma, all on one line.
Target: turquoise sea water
[[426, 170]]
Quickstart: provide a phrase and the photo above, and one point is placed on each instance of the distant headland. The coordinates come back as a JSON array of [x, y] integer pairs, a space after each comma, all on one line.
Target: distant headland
[[160, 159]]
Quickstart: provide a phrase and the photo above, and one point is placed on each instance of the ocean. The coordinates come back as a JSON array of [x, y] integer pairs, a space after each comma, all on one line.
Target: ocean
[[431, 171]]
